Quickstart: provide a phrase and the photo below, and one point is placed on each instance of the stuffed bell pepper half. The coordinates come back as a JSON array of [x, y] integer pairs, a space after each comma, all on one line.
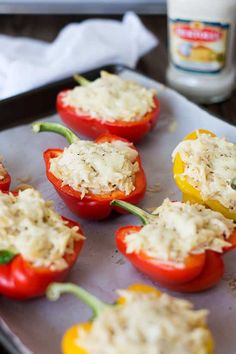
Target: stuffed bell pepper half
[[180, 245], [205, 171], [109, 104], [143, 320], [89, 174], [37, 245]]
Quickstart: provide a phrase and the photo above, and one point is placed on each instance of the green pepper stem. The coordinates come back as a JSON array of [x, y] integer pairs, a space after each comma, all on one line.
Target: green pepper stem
[[144, 216], [81, 80], [56, 289], [55, 128], [233, 183], [6, 256]]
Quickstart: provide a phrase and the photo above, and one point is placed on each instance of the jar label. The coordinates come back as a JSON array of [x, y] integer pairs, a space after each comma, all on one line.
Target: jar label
[[198, 46]]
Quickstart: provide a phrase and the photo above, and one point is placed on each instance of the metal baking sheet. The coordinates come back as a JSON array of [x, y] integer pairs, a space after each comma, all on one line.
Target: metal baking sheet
[[95, 7], [37, 326]]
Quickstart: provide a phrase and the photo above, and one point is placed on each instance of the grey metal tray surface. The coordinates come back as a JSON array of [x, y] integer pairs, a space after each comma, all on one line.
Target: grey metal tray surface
[[37, 326], [100, 7]]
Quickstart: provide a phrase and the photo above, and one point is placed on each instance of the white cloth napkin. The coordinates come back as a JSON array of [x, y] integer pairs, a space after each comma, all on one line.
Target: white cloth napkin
[[27, 63]]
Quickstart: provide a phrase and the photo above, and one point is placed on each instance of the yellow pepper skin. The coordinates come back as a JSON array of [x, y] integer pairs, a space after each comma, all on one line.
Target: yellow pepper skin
[[71, 336], [190, 193], [68, 344]]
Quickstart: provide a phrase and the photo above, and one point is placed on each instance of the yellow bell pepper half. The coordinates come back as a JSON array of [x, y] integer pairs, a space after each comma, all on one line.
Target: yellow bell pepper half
[[70, 338], [190, 193]]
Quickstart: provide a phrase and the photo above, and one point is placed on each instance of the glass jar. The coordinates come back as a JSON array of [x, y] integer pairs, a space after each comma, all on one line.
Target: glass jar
[[202, 48]]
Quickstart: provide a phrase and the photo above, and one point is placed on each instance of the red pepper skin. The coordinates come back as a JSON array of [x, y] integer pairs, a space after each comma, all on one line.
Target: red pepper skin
[[95, 207], [200, 272], [210, 276], [5, 183], [21, 281], [232, 240], [92, 127]]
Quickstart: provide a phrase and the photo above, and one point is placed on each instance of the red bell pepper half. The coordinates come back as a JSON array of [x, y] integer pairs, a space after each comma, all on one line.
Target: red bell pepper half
[[92, 206], [5, 182], [200, 272], [21, 281], [93, 127]]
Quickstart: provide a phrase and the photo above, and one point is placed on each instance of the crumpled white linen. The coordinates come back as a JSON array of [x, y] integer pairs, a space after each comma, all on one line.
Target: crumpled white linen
[[28, 63]]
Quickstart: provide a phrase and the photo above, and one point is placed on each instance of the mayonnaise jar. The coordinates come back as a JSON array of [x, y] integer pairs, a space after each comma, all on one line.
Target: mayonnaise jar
[[202, 48]]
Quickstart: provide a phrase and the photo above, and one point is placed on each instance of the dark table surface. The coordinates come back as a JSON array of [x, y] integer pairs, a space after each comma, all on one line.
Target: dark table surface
[[153, 64], [82, 6]]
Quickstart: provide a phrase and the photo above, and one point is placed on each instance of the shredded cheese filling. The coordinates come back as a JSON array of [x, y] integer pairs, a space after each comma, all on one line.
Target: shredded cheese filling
[[3, 171], [210, 165], [181, 229], [29, 226], [147, 324], [98, 168], [111, 98]]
